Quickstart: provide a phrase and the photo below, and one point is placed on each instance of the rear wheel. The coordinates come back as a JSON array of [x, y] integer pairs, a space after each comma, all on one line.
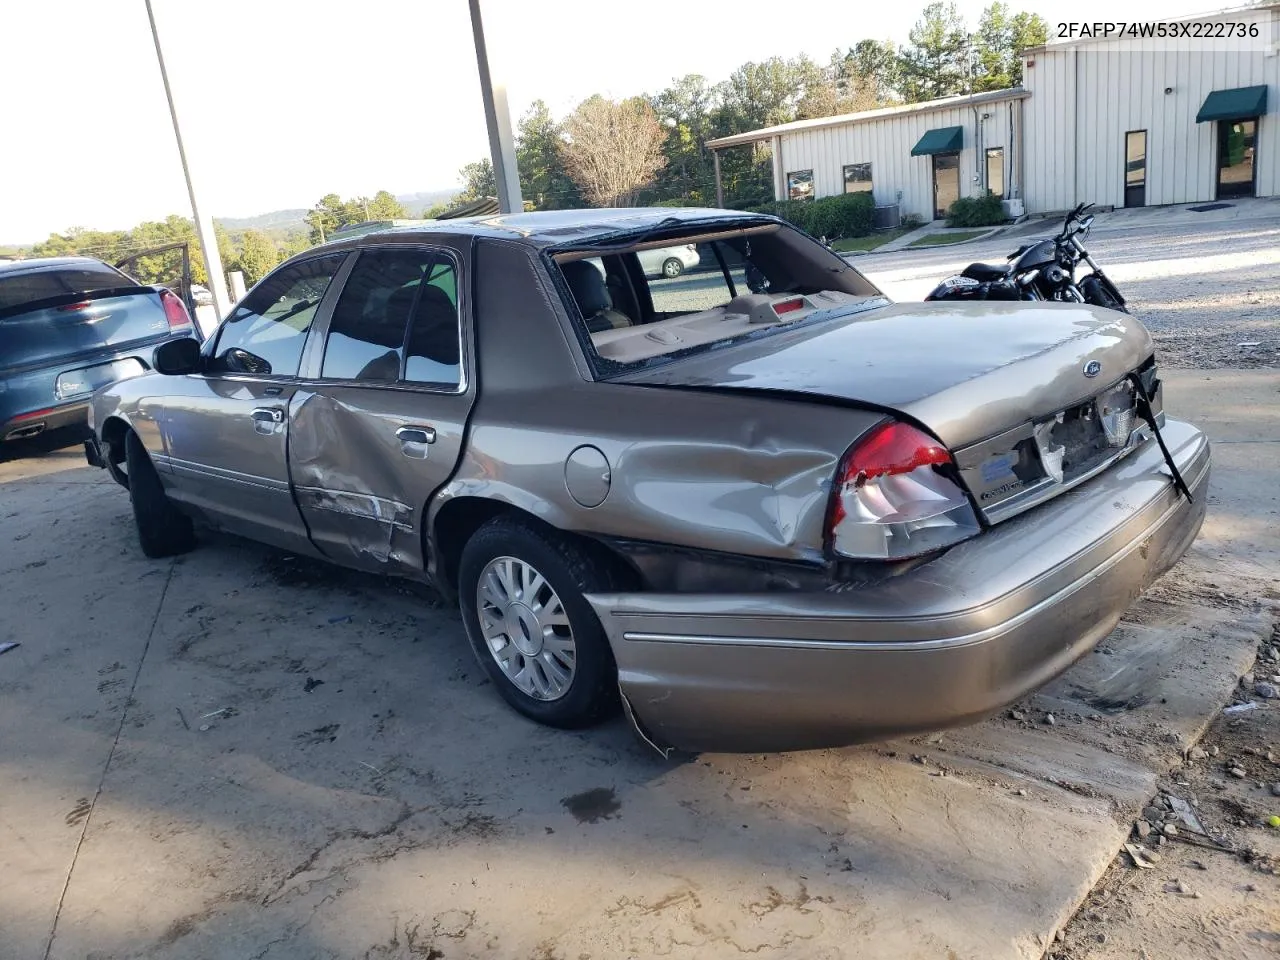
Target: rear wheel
[[163, 530], [672, 267], [521, 593]]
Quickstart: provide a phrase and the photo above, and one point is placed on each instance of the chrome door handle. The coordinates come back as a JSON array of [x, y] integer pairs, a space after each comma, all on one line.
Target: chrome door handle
[[269, 414], [416, 435]]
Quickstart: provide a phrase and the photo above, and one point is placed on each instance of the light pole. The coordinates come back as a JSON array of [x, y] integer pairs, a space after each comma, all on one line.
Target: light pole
[[498, 119], [204, 224]]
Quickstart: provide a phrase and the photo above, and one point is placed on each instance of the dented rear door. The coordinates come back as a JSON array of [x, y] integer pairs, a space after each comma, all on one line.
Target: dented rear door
[[381, 427]]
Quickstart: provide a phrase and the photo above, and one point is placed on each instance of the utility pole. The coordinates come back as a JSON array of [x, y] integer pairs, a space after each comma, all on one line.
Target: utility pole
[[204, 224], [497, 118]]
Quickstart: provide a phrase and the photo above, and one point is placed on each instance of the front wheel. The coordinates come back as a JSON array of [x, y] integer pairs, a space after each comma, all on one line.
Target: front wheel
[[1102, 297], [672, 268], [521, 593], [163, 531]]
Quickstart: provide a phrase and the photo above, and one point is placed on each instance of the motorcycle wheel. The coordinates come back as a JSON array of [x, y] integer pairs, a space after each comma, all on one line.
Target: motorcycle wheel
[[1103, 298]]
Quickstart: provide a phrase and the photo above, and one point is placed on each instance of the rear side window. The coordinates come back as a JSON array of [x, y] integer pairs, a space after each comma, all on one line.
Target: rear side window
[[266, 333], [367, 334], [433, 352], [18, 289]]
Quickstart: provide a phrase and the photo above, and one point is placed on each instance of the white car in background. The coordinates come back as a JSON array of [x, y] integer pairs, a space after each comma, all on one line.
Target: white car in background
[[668, 261]]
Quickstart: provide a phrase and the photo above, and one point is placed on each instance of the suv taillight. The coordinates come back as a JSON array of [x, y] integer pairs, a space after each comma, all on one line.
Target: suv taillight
[[175, 311], [895, 497]]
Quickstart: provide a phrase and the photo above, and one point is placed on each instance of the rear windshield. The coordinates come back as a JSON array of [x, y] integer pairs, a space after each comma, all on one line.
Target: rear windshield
[[17, 289], [651, 300]]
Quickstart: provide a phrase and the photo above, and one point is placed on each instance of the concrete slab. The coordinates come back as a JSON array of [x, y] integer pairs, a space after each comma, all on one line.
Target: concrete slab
[[310, 765]]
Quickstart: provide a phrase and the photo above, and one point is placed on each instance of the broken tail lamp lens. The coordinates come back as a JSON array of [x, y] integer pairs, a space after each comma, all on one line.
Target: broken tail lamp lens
[[893, 500]]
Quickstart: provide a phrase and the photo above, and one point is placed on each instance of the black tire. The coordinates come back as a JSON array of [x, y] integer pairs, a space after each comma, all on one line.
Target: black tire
[[571, 571], [672, 268], [1105, 299], [163, 531]]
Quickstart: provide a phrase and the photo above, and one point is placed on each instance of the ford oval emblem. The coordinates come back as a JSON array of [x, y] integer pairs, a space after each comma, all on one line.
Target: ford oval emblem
[[1092, 368]]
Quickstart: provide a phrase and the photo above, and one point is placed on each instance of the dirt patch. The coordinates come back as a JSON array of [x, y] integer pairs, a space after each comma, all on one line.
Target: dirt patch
[[1215, 894]]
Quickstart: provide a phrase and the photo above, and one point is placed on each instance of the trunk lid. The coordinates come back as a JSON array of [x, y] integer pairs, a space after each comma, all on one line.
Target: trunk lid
[[1031, 399], [967, 371], [79, 326]]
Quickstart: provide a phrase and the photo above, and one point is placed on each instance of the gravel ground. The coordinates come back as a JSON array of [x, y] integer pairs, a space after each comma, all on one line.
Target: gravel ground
[[1204, 896], [1209, 294]]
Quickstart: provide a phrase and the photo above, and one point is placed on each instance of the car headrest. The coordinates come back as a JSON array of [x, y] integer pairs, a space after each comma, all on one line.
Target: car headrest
[[588, 286], [435, 328]]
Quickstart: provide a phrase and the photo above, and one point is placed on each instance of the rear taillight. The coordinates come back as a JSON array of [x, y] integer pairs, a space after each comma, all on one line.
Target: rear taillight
[[894, 498], [175, 311]]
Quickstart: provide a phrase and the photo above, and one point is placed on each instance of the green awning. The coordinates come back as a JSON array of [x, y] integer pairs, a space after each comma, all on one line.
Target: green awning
[[942, 140], [1234, 104]]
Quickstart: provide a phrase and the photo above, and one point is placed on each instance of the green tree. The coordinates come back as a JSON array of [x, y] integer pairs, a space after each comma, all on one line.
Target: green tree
[[999, 42], [543, 180], [384, 206], [326, 216], [477, 182], [686, 110], [258, 256], [871, 67], [935, 62]]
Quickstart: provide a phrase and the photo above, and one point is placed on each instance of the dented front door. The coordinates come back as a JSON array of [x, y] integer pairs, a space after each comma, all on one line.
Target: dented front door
[[379, 426]]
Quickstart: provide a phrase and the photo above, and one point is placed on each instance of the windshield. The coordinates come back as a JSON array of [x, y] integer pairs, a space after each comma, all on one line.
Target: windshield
[[653, 300]]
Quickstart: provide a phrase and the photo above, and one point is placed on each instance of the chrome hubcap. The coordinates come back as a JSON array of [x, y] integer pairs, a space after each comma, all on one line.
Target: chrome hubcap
[[526, 629]]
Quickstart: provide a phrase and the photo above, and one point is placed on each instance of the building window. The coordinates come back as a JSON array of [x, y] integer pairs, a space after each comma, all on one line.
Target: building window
[[800, 185], [857, 178], [1135, 168], [995, 171]]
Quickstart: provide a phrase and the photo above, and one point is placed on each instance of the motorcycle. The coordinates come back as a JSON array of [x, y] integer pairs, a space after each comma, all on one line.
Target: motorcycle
[[1040, 270]]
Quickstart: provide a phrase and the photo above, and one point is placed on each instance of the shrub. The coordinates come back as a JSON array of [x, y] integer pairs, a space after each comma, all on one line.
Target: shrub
[[984, 211], [912, 221], [844, 215]]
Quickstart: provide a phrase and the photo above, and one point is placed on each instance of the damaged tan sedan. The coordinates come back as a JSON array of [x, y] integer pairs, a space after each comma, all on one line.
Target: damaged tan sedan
[[756, 504]]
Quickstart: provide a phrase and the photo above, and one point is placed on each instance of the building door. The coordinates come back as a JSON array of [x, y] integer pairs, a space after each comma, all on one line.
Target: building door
[[1237, 140], [946, 182], [1135, 168]]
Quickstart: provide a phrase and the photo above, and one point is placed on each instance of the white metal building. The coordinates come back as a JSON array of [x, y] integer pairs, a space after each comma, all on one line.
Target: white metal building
[[1121, 121], [958, 146]]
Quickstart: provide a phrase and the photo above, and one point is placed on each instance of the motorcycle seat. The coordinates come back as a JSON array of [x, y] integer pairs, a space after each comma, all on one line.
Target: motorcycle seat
[[987, 272]]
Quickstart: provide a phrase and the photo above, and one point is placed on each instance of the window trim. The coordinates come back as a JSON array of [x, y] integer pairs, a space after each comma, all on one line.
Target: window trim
[[986, 169], [209, 350], [314, 370], [844, 177]]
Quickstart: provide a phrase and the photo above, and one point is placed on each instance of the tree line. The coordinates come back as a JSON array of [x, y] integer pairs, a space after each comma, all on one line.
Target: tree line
[[647, 149], [651, 149]]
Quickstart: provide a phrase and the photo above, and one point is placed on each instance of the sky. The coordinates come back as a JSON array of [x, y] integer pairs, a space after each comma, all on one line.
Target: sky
[[283, 101]]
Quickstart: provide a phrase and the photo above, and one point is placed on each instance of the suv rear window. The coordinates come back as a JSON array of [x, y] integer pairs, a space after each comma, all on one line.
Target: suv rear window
[[41, 283]]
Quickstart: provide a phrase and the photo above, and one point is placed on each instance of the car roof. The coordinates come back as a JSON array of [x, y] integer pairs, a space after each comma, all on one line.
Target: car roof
[[544, 228], [45, 263]]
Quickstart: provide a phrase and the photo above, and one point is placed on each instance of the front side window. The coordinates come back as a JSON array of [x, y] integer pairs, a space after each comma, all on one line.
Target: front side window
[[366, 336], [857, 178], [266, 333], [800, 185]]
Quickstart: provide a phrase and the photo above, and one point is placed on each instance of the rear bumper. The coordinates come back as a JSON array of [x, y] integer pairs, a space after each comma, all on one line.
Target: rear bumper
[[36, 422], [946, 644]]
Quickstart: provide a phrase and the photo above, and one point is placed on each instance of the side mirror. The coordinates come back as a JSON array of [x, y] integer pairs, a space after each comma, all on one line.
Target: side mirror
[[176, 357]]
